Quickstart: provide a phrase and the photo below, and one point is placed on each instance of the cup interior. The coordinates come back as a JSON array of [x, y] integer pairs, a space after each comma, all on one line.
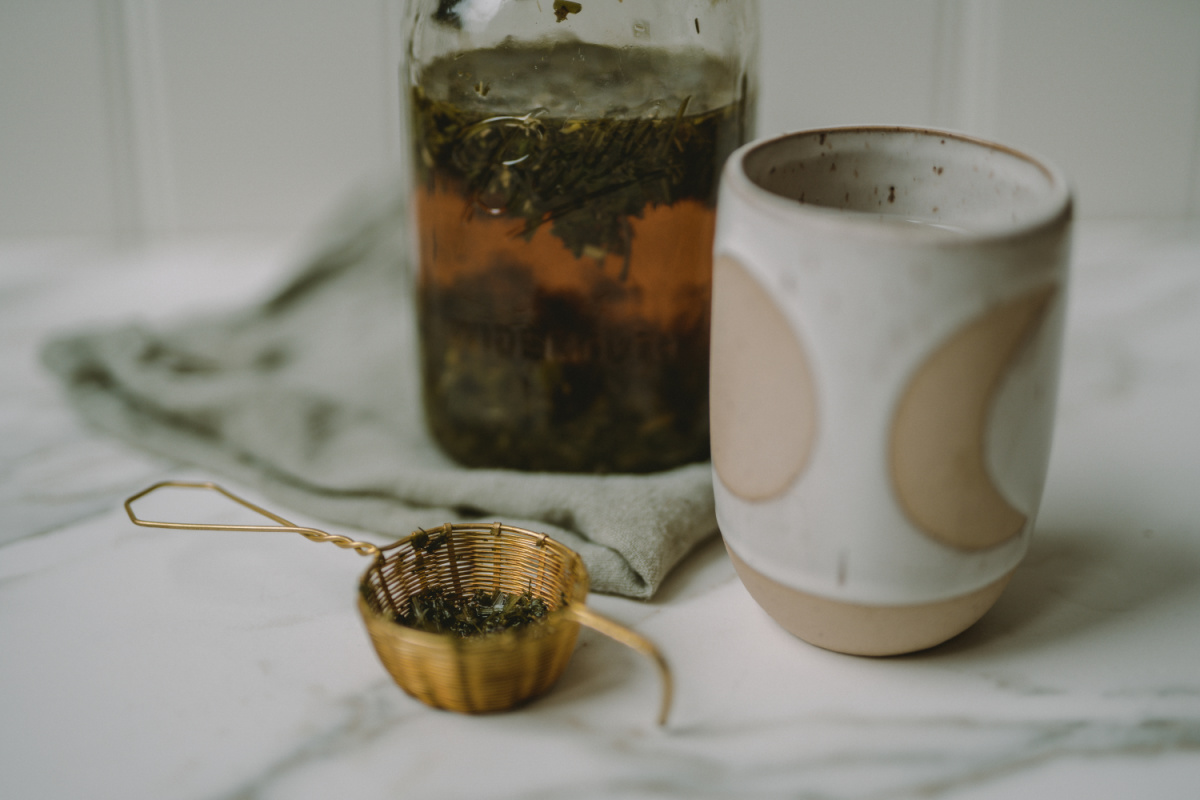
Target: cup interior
[[935, 179]]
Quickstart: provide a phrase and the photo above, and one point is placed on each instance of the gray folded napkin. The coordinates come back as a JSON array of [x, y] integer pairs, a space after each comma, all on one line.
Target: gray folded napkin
[[313, 399]]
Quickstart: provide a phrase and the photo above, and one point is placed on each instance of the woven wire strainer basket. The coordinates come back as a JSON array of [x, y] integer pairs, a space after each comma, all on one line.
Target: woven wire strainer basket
[[474, 675]]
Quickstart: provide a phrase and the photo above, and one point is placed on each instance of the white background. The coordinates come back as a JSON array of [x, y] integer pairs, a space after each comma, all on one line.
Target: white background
[[148, 118]]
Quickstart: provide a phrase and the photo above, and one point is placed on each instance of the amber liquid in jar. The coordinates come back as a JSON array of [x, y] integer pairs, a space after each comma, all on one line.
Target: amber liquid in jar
[[566, 215]]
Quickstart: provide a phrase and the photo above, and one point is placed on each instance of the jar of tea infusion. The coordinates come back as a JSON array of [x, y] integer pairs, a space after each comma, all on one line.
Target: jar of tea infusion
[[566, 158]]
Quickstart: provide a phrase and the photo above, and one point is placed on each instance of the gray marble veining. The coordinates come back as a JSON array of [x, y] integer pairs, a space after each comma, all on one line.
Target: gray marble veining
[[153, 664]]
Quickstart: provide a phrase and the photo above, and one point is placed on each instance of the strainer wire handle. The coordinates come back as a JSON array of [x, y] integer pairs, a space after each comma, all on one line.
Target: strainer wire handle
[[282, 525], [585, 616], [579, 612]]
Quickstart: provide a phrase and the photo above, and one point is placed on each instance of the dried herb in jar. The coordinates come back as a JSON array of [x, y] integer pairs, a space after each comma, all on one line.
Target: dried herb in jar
[[566, 205]]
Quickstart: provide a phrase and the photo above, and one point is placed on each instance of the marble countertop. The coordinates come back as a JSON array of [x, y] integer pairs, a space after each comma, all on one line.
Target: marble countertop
[[138, 663]]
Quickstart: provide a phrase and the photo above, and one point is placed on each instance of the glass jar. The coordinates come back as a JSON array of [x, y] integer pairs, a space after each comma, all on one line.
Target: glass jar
[[566, 158]]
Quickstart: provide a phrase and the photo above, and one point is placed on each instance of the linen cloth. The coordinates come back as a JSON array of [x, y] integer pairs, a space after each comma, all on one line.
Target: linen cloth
[[312, 397]]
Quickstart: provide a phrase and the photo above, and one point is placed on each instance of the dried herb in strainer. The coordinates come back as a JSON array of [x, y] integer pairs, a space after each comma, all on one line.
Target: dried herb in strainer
[[481, 612]]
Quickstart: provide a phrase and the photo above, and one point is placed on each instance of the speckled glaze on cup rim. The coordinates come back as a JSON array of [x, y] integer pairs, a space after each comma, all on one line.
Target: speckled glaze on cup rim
[[1054, 210]]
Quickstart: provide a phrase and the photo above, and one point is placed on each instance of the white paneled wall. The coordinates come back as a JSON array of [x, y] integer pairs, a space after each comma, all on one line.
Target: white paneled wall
[[1110, 89], [57, 154], [161, 117], [182, 116]]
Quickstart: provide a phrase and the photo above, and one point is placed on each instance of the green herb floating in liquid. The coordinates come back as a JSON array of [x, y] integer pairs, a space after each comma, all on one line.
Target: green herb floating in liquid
[[564, 7], [479, 613], [587, 145], [581, 137]]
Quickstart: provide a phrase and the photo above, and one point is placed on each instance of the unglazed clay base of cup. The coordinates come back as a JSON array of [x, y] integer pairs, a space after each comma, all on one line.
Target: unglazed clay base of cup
[[864, 630]]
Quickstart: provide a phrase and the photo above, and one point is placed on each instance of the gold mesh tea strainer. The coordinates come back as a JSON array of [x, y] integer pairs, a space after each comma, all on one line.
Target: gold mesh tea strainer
[[474, 675]]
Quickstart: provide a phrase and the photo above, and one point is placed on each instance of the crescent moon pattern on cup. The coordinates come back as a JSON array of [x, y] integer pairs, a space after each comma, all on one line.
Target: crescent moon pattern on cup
[[939, 430], [763, 405]]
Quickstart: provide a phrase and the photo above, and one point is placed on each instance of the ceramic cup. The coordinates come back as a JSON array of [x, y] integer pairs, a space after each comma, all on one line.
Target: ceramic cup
[[887, 320]]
